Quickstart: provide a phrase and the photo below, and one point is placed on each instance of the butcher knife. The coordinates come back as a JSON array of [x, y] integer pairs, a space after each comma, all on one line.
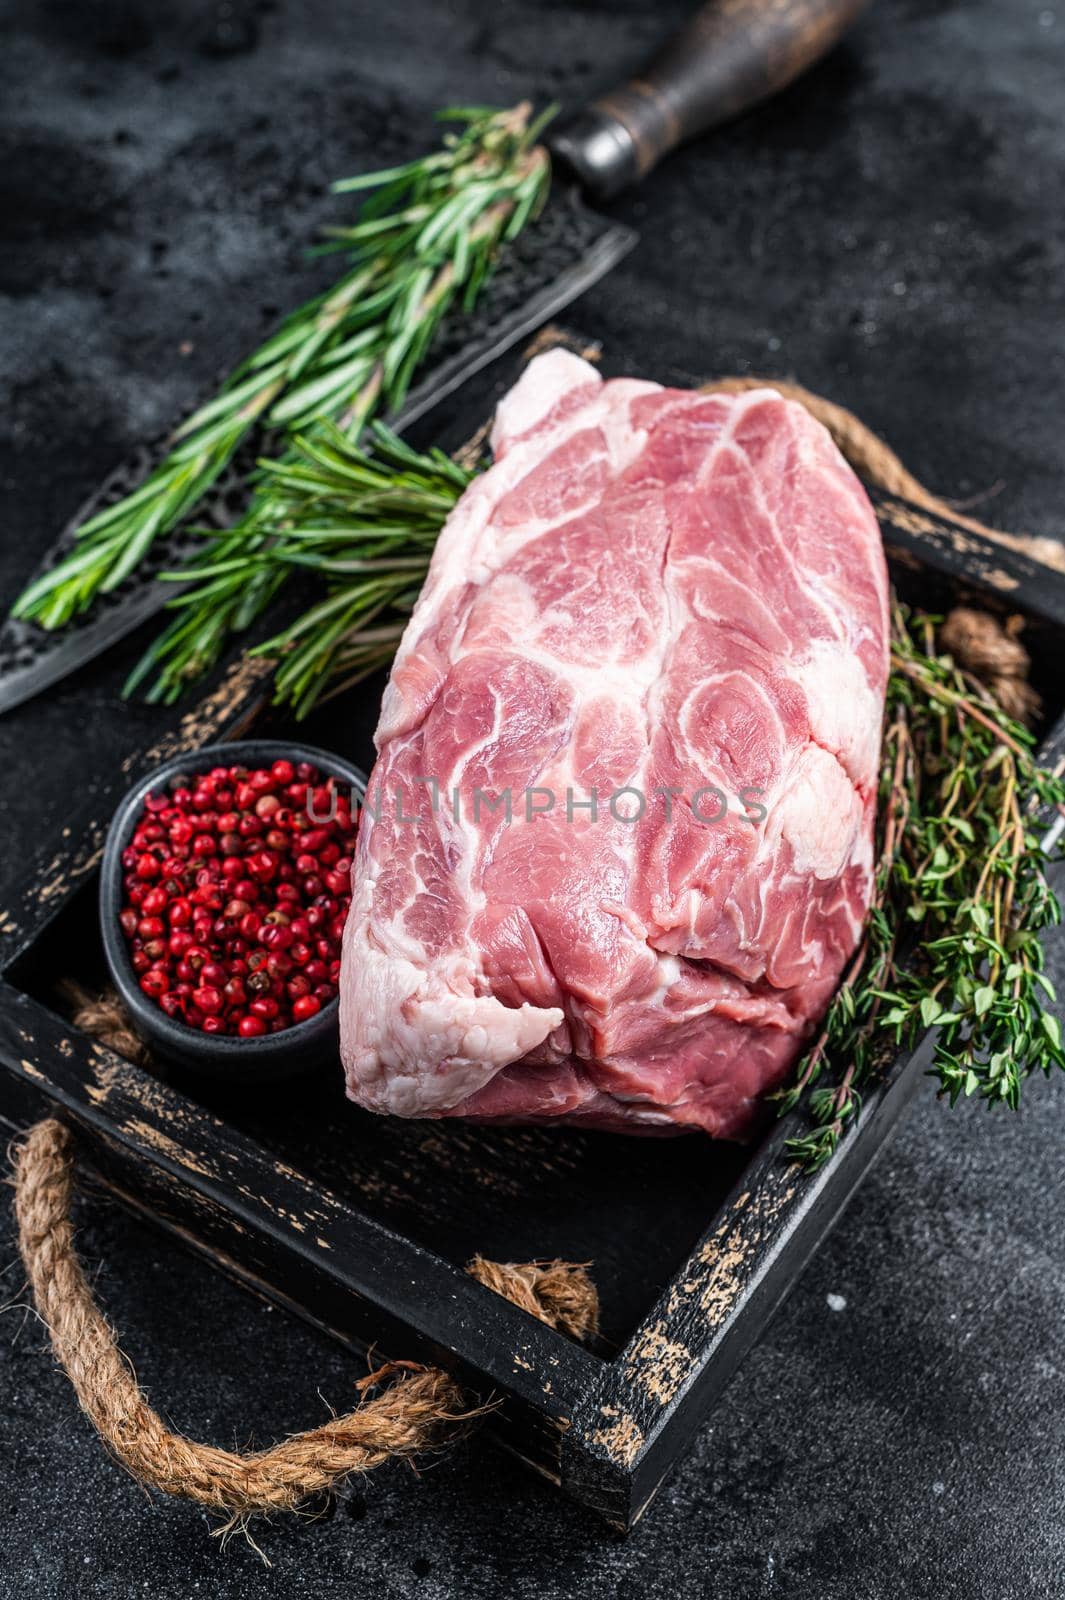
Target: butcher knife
[[730, 56]]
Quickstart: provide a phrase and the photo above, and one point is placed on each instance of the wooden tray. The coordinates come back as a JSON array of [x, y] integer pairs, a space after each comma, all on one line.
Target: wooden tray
[[363, 1225]]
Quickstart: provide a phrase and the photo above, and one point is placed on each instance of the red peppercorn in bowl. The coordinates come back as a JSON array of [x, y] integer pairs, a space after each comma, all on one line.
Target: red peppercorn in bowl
[[224, 889]]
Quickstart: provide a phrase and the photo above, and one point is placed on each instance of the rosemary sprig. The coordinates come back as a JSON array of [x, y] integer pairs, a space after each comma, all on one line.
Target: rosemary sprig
[[427, 237], [368, 521], [233, 582], [362, 518], [960, 898]]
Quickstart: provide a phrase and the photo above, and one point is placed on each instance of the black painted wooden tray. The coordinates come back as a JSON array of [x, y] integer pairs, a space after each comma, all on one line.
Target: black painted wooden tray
[[363, 1225]]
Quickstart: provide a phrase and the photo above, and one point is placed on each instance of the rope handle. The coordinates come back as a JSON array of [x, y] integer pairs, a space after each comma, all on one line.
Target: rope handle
[[418, 1410]]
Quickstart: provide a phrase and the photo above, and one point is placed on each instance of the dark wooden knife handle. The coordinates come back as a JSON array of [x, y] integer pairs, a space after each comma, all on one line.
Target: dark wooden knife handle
[[731, 55]]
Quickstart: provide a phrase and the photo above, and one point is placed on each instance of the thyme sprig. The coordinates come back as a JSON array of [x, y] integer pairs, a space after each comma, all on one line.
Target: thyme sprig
[[424, 240], [960, 898]]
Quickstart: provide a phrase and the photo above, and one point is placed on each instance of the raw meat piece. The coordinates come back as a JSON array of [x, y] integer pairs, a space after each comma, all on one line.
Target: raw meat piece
[[656, 591]]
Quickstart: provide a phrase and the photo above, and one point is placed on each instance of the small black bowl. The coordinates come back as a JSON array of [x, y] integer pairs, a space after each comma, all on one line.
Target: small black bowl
[[298, 1049]]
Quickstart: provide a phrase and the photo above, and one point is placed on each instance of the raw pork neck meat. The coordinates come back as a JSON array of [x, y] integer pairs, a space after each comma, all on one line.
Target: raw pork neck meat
[[678, 596]]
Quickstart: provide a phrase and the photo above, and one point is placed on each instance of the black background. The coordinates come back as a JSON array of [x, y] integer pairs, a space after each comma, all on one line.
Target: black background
[[890, 232]]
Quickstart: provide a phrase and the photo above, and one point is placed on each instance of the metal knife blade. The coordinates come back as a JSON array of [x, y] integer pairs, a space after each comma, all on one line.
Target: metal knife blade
[[550, 265]]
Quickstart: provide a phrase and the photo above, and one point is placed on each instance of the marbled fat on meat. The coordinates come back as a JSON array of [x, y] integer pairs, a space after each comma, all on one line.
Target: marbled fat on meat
[[650, 590]]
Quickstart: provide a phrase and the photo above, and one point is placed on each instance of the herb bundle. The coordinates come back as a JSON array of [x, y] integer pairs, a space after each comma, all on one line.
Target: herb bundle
[[426, 239], [960, 898]]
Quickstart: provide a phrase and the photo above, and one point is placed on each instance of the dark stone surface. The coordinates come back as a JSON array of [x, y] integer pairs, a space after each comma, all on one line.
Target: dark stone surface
[[891, 232]]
